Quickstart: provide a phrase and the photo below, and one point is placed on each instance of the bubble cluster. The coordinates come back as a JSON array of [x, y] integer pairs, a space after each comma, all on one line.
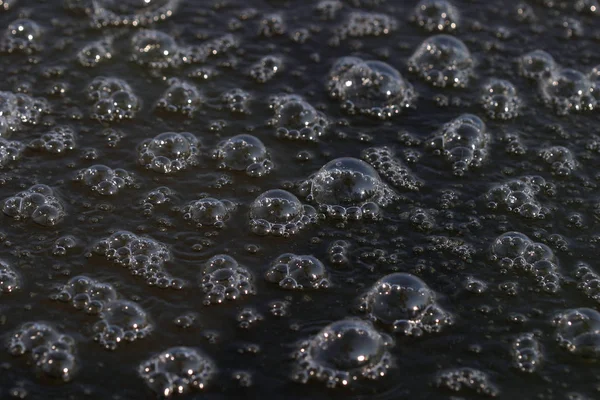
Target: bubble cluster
[[157, 197], [443, 61], [339, 252], [514, 250], [243, 153], [58, 140], [177, 371], [121, 321], [37, 203], [10, 150], [578, 331], [342, 353], [348, 188], [104, 180], [536, 64], [23, 35], [63, 244], [155, 49], [567, 90], [296, 119], [266, 68], [526, 353], [405, 304], [181, 97], [208, 212], [113, 98], [271, 25], [499, 99], [17, 110], [10, 281], [372, 88], [436, 16], [461, 379], [237, 101], [560, 159], [143, 256], [294, 272], [588, 281], [169, 152], [131, 12], [95, 53], [391, 168], [85, 293], [277, 212], [222, 279], [51, 353], [362, 23], [519, 196]]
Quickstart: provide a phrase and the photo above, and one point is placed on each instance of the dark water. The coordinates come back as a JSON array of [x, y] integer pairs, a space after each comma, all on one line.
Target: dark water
[[484, 189]]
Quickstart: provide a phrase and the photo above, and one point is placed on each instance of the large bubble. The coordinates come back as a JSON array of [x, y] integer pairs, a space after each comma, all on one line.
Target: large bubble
[[169, 152], [578, 331], [37, 203], [243, 153], [499, 99], [222, 279], [279, 213], [296, 119], [208, 212], [17, 110], [114, 99], [297, 272], [155, 49]]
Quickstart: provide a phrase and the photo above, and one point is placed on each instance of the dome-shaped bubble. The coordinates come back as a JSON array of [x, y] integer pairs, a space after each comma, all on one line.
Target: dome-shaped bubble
[[85, 293], [510, 245], [294, 118], [560, 159], [298, 272], [568, 90], [372, 88], [237, 101], [499, 99], [279, 213], [243, 153], [20, 109], [169, 152], [536, 64], [222, 278], [122, 321], [95, 53], [436, 16], [38, 203], [177, 370], [527, 353], [22, 35], [10, 150], [104, 180], [343, 352], [208, 212], [10, 281], [266, 68], [114, 99], [58, 140], [155, 49], [131, 12], [404, 303], [520, 196], [442, 60], [181, 97], [578, 331]]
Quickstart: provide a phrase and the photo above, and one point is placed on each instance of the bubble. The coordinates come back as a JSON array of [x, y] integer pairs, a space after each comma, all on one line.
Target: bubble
[[499, 99], [85, 293], [296, 119], [266, 68], [155, 49], [181, 97], [526, 352], [22, 35], [63, 244], [169, 152], [462, 142], [578, 331], [271, 25], [391, 168], [243, 153], [223, 279], [208, 212], [237, 101], [104, 180], [362, 23], [342, 353], [338, 252], [372, 88], [122, 321], [157, 197], [248, 318], [279, 213], [10, 281], [436, 15], [58, 140], [10, 151], [519, 196], [114, 99], [536, 64], [588, 281], [560, 159], [470, 379], [51, 353], [38, 203], [95, 53], [568, 90], [20, 109], [442, 60], [176, 371], [131, 12], [296, 272], [328, 9], [587, 6], [571, 28], [404, 303]]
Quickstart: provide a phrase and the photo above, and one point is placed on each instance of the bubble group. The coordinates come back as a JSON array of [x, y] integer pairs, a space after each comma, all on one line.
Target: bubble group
[[294, 118], [499, 99], [18, 110], [391, 168], [222, 278], [436, 16], [169, 152], [578, 331], [38, 203], [266, 68], [23, 35], [58, 140], [520, 196], [121, 321], [154, 49], [10, 151], [94, 53], [113, 98], [536, 64], [85, 293], [106, 13], [567, 90], [297, 272], [243, 153], [208, 211], [526, 352], [278, 212], [467, 379], [181, 97], [10, 281], [104, 180]]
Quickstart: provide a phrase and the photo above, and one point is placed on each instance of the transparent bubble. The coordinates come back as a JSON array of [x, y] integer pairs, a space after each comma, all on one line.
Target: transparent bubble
[[104, 180], [10, 151], [157, 197], [536, 64], [122, 321], [85, 293], [243, 153], [58, 140], [362, 23], [588, 281], [17, 110], [279, 213], [560, 159], [22, 35], [131, 12], [372, 88], [95, 53], [578, 331], [208, 212], [391, 168], [436, 16], [224, 279], [176, 371], [338, 252], [297, 272], [181, 97], [114, 99], [526, 352], [266, 68], [169, 152], [271, 25], [442, 60], [466, 379], [296, 119], [10, 281], [519, 196], [37, 203], [343, 352], [155, 49], [237, 101], [568, 90], [499, 99]]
